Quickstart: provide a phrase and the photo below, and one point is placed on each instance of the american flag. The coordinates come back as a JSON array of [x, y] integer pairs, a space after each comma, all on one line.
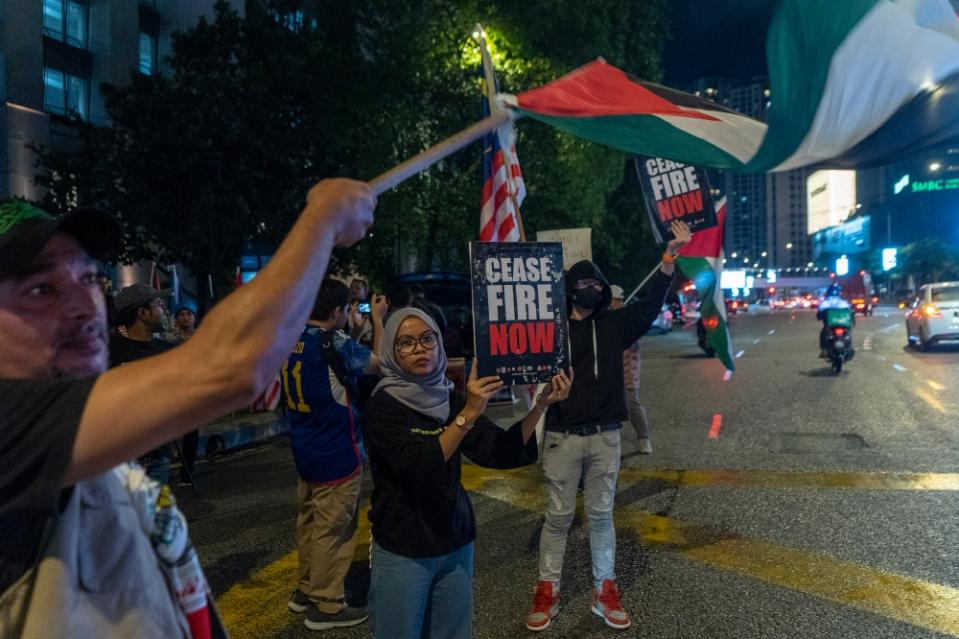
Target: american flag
[[503, 187]]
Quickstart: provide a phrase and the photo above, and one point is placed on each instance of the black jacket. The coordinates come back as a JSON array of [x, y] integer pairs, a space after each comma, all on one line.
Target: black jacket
[[598, 395], [419, 507]]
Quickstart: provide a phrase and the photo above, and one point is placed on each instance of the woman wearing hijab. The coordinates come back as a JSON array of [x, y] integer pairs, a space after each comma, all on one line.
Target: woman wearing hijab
[[423, 527]]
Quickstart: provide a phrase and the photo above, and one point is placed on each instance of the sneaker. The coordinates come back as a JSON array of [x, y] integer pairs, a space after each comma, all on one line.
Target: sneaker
[[545, 606], [298, 602], [606, 605], [645, 446], [348, 616]]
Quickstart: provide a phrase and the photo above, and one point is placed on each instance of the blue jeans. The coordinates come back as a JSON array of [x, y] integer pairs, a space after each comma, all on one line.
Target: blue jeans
[[596, 458], [421, 598]]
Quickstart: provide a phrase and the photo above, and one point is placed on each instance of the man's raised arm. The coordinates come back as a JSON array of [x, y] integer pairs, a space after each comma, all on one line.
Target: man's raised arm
[[234, 353]]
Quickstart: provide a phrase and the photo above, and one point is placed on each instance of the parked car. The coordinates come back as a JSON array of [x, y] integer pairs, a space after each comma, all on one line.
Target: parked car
[[734, 306], [934, 315]]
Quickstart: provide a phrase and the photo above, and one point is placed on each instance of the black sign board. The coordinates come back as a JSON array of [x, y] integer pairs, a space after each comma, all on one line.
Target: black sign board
[[520, 328], [675, 191]]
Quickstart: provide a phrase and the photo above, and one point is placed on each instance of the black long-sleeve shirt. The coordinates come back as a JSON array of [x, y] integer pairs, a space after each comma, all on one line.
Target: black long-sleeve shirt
[[419, 508], [601, 398]]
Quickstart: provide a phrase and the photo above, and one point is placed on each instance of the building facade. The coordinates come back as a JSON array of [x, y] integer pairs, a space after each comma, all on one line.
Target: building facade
[[55, 54]]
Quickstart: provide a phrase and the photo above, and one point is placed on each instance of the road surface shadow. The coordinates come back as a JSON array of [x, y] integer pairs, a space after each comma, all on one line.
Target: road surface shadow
[[822, 372]]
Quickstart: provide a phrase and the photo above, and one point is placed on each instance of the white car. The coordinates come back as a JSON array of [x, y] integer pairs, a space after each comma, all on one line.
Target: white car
[[934, 315]]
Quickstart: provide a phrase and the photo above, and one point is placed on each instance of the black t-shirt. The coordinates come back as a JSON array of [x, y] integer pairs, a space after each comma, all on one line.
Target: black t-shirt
[[38, 426], [419, 507], [601, 398], [124, 350]]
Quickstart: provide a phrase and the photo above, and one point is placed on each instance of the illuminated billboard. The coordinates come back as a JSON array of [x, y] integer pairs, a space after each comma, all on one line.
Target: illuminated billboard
[[732, 279], [830, 198]]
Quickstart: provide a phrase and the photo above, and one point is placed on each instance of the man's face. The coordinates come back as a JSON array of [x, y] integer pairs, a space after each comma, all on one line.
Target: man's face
[[152, 314], [53, 318], [357, 290], [186, 320]]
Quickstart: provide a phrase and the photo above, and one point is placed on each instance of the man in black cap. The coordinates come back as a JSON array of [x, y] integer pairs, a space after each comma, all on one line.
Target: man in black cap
[[87, 548], [140, 313]]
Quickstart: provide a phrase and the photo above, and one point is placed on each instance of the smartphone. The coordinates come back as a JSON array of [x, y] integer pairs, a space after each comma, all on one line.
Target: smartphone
[[365, 307]]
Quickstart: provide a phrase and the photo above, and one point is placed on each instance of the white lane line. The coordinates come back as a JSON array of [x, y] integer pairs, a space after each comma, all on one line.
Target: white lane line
[[900, 368], [727, 376], [935, 385], [867, 343], [755, 341], [739, 354], [772, 331]]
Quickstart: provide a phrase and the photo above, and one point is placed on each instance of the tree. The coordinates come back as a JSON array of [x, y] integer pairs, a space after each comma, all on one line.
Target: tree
[[929, 260], [219, 151]]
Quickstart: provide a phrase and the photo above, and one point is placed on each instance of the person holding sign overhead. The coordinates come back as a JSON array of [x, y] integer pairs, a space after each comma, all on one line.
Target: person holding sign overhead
[[417, 426], [582, 432]]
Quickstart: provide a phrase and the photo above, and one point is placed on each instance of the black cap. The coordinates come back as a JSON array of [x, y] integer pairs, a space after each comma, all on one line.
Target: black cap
[[25, 230], [137, 295]]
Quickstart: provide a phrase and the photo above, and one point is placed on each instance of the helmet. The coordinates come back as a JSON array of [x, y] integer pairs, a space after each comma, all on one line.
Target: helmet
[[834, 291]]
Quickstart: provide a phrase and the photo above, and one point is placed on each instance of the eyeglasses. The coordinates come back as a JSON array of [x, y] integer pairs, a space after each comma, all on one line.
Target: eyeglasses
[[406, 345]]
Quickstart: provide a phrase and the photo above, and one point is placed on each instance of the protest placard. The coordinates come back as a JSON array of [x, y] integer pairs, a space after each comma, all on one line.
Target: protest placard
[[577, 243], [520, 328], [675, 191]]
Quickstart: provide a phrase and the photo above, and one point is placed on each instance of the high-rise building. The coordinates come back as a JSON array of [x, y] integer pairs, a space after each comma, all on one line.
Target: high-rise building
[[54, 55]]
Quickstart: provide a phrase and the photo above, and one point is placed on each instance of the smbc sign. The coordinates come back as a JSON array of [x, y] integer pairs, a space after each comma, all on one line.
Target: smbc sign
[[927, 186]]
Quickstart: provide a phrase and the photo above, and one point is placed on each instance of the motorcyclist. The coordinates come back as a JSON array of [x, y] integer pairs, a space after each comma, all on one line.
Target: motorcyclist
[[832, 302]]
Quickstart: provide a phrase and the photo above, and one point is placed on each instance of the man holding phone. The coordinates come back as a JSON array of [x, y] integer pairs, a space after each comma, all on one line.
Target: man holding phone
[[361, 328]]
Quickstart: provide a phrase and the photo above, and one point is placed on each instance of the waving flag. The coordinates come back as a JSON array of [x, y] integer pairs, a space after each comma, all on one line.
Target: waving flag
[[503, 186], [853, 83], [702, 261]]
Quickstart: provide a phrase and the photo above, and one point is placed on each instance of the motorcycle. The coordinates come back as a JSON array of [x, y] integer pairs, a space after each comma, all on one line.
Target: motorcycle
[[839, 347]]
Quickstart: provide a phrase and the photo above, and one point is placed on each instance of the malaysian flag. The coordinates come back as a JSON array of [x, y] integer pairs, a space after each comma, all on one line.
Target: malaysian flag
[[503, 188]]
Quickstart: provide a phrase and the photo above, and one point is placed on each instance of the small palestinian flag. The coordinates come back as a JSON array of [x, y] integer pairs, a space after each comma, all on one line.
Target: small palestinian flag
[[702, 262], [853, 83]]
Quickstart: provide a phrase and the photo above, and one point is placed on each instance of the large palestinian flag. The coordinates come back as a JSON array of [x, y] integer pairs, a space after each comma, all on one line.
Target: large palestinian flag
[[854, 83], [702, 261]]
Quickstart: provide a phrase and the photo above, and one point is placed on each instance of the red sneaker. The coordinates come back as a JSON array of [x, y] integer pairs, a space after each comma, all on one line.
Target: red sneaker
[[606, 605], [545, 606]]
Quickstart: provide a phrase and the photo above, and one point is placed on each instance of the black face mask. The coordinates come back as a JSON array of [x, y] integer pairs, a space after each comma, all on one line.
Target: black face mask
[[587, 297]]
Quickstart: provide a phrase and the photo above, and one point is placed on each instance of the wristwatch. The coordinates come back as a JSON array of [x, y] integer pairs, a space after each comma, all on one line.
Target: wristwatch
[[462, 423]]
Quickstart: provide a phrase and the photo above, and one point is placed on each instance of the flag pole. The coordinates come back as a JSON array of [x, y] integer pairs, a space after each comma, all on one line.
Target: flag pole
[[493, 108], [643, 283], [386, 181]]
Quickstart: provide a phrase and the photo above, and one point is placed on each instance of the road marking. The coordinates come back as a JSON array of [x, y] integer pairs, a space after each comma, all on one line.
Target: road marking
[[772, 331], [900, 368], [256, 606], [739, 354], [913, 601], [935, 385], [932, 401], [755, 341], [881, 358], [948, 482], [867, 343], [715, 426], [727, 375]]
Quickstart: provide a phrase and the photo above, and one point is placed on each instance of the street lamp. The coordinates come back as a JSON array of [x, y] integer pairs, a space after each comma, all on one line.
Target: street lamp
[[789, 245], [764, 254], [935, 166]]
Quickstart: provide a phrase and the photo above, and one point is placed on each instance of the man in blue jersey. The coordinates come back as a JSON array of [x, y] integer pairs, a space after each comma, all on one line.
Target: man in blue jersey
[[319, 381]]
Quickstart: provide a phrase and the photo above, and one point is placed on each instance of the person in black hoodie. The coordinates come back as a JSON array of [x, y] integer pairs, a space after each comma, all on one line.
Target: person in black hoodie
[[582, 432], [421, 584]]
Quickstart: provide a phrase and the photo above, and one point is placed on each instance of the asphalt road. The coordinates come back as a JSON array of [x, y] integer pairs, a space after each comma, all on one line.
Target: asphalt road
[[782, 502]]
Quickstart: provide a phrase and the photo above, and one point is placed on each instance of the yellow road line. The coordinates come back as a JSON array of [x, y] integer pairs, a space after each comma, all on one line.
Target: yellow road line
[[773, 479], [935, 385], [932, 401], [256, 607], [913, 601]]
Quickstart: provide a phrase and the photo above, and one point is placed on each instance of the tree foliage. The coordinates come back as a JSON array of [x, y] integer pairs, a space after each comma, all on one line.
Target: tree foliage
[[929, 260], [218, 150]]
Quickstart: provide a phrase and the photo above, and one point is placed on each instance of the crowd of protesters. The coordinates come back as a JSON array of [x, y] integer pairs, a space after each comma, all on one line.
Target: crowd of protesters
[[94, 545]]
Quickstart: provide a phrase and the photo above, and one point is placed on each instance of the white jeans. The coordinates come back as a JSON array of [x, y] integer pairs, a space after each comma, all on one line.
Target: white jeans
[[567, 457]]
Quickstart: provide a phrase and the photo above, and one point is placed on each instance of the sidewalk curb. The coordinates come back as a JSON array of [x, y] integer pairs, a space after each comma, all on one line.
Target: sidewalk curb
[[220, 437]]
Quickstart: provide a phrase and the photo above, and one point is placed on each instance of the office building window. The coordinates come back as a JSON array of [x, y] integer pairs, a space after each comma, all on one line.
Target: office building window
[[67, 21], [65, 94], [148, 54]]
